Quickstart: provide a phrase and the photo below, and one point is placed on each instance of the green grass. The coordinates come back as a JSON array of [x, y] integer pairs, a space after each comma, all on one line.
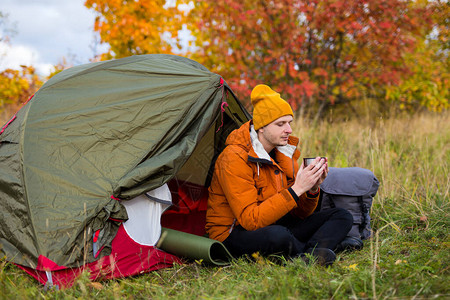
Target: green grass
[[407, 258]]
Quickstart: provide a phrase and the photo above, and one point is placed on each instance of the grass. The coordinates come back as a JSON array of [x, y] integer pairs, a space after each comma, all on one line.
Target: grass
[[407, 258]]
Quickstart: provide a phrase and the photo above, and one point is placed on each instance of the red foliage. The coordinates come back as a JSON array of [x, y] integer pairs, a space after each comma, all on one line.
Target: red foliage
[[308, 50]]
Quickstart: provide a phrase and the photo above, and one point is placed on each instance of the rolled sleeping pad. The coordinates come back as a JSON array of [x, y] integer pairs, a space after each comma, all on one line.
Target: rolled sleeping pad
[[192, 246]]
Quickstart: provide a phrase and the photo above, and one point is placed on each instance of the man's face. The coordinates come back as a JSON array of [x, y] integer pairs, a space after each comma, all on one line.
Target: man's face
[[276, 133]]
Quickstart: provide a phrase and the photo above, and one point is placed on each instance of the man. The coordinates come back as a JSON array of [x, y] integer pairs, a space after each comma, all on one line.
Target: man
[[259, 201]]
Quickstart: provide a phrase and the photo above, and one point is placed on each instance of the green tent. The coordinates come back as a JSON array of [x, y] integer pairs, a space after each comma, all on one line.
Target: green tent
[[100, 132]]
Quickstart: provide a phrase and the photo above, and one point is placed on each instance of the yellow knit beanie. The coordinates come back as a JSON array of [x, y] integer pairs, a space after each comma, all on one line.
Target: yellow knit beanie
[[267, 106]]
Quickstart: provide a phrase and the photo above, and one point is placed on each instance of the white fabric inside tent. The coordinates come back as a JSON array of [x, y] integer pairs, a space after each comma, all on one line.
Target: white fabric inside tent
[[144, 215]]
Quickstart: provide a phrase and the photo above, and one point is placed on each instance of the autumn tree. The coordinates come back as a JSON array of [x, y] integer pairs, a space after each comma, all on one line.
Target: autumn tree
[[317, 53], [426, 85], [16, 87], [137, 27]]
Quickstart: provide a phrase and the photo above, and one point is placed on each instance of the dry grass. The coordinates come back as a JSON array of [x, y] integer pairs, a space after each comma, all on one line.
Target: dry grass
[[409, 155]]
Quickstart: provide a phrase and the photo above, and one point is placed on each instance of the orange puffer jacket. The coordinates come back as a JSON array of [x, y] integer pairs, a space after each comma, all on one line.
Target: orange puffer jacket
[[250, 189]]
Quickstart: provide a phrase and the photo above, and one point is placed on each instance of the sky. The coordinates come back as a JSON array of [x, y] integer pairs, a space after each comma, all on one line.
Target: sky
[[46, 31]]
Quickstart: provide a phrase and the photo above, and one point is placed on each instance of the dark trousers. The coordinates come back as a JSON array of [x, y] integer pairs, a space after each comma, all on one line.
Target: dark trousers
[[291, 236]]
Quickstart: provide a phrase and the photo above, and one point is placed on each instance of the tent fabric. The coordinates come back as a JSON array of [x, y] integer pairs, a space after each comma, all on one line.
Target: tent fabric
[[95, 136], [139, 247], [127, 258]]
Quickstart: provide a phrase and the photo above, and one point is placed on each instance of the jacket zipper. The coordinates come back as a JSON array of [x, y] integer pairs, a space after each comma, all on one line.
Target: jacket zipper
[[232, 225]]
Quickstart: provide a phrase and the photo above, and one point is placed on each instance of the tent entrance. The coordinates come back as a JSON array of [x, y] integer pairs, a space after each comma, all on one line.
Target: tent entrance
[[189, 187]]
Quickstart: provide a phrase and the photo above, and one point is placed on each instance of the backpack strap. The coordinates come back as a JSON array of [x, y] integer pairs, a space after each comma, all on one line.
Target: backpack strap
[[332, 204], [364, 211]]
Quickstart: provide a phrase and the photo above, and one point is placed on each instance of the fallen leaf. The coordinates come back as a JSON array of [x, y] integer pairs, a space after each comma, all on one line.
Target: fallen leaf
[[96, 285], [353, 267]]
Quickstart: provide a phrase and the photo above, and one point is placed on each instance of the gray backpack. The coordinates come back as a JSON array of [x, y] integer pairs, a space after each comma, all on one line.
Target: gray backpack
[[352, 189]]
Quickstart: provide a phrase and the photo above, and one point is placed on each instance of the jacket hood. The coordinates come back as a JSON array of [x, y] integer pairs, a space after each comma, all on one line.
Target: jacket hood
[[240, 137]]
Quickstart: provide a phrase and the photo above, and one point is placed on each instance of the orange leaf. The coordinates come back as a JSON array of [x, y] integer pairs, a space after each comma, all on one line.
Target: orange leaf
[[95, 285]]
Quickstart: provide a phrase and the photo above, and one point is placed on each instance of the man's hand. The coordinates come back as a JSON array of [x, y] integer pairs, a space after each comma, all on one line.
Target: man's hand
[[309, 178], [315, 188]]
